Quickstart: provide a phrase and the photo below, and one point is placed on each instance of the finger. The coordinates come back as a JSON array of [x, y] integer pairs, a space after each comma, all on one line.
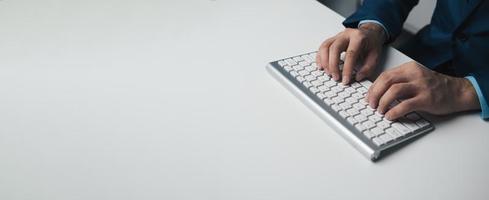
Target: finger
[[369, 66], [351, 58], [395, 92], [380, 86], [322, 57], [318, 61], [338, 46], [405, 107]]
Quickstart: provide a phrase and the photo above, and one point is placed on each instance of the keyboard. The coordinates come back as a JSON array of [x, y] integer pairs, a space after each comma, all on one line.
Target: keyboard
[[344, 108]]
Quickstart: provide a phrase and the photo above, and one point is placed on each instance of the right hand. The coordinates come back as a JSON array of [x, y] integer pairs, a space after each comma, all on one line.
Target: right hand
[[364, 43]]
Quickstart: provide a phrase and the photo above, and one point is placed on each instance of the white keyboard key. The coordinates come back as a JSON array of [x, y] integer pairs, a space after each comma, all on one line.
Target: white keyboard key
[[297, 59], [310, 69], [282, 63], [314, 65], [358, 96], [369, 124], [360, 127], [300, 79], [342, 56], [324, 78], [303, 73], [386, 138], [350, 90], [343, 95], [351, 120], [308, 58], [422, 123], [335, 107], [343, 114], [328, 101], [353, 112], [323, 88], [351, 101], [345, 106], [330, 94], [360, 118], [358, 106], [297, 68], [321, 95], [309, 77], [368, 134], [288, 69], [314, 90], [367, 112], [330, 84], [366, 83], [362, 91], [342, 87], [336, 89], [393, 132], [294, 74], [307, 84], [317, 73], [317, 83], [401, 128], [383, 125], [377, 141], [338, 100], [377, 131], [290, 62], [356, 85], [409, 124], [374, 118]]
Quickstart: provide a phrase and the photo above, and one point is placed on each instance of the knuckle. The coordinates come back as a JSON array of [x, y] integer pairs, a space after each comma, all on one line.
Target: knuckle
[[388, 79], [334, 46], [396, 88], [361, 36], [324, 46], [342, 32], [351, 53]]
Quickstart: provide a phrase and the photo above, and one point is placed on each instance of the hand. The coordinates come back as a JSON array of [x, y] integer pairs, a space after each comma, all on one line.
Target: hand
[[420, 89], [365, 42]]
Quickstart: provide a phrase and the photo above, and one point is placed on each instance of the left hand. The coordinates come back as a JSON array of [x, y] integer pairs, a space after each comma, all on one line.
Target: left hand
[[420, 89]]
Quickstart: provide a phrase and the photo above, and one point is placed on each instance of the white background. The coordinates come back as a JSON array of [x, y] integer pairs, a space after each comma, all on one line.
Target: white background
[[132, 99]]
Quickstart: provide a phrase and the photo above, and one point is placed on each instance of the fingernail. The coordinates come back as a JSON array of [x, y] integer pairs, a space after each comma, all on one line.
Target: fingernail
[[388, 117], [372, 105], [335, 77], [359, 77], [345, 80]]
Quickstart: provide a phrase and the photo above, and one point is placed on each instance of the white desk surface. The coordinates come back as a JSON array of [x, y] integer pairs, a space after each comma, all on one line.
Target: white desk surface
[[170, 100]]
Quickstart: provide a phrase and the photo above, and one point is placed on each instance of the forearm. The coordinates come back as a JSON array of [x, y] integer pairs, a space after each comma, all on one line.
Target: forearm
[[391, 13], [375, 28]]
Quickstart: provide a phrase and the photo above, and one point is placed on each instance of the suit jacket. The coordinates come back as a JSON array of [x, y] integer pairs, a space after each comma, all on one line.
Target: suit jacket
[[458, 34]]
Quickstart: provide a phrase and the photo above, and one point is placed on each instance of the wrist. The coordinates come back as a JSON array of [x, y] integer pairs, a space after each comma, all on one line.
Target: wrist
[[375, 29], [467, 98]]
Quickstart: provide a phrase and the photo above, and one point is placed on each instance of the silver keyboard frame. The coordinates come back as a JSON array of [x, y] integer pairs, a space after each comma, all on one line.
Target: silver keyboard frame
[[333, 119]]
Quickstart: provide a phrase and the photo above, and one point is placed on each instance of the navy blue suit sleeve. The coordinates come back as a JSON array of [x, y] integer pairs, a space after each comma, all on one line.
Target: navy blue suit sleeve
[[391, 13]]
